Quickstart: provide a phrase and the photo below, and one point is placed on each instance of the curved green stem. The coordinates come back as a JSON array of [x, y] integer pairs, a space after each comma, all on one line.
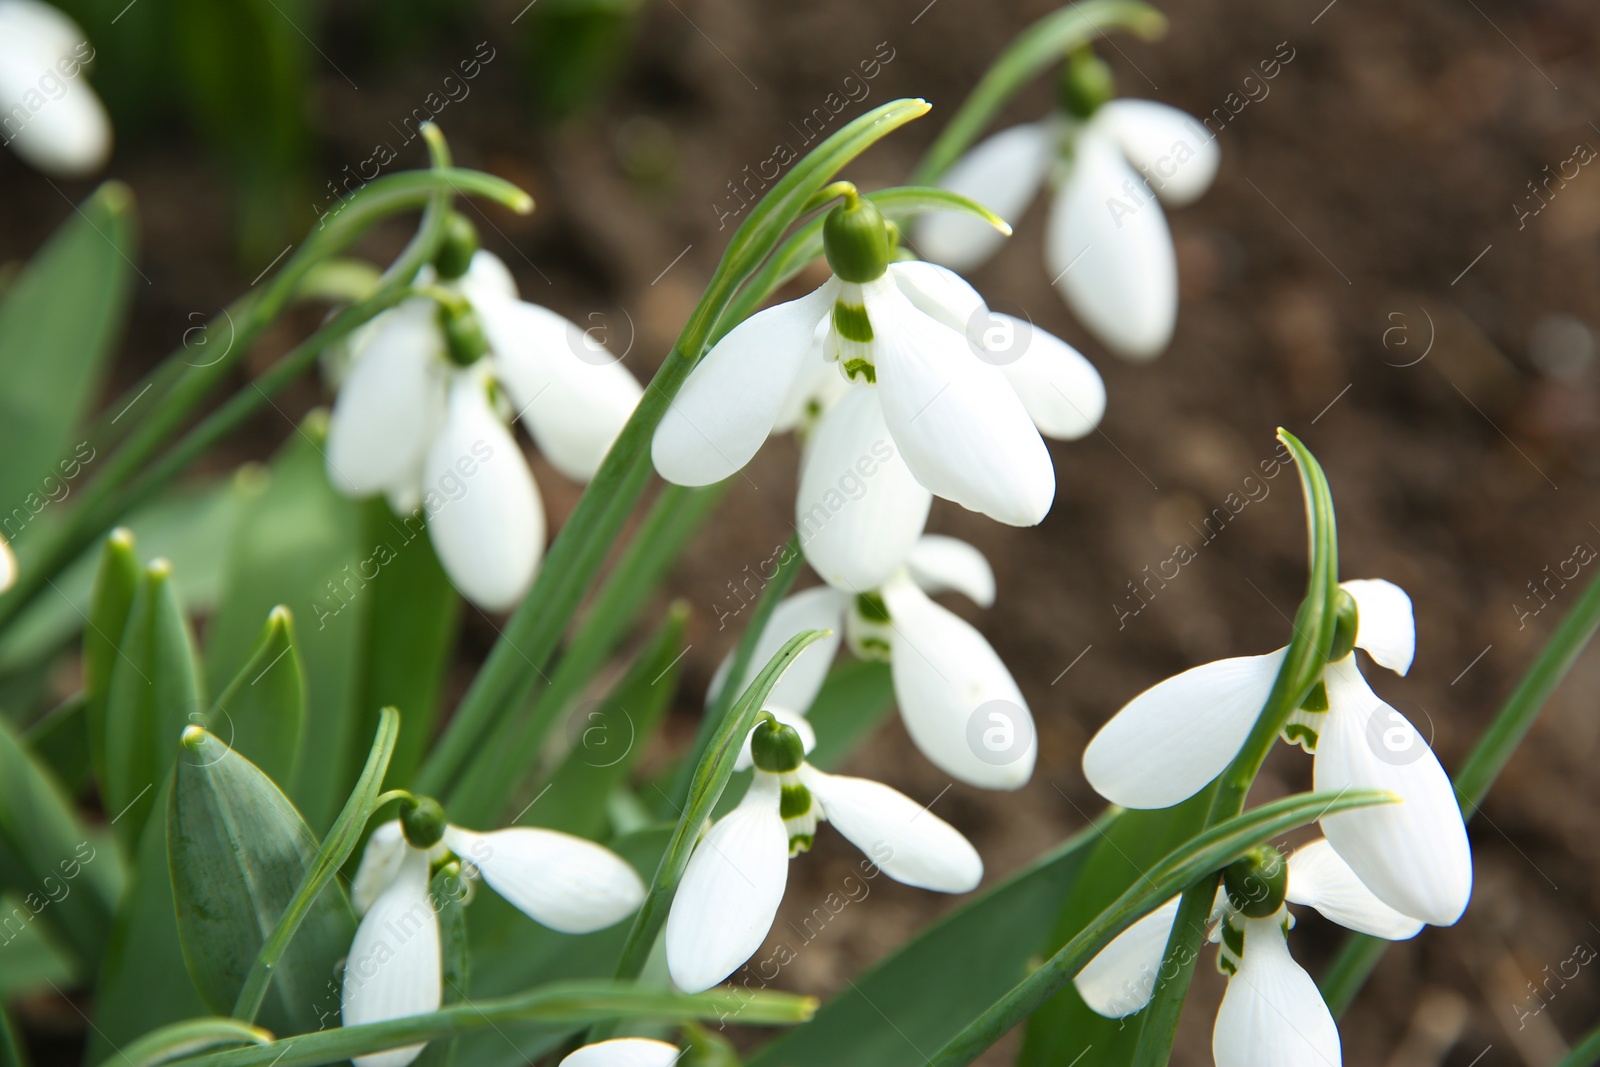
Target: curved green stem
[[1035, 49]]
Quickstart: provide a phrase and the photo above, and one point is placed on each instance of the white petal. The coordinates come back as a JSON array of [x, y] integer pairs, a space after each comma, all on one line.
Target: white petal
[[624, 1052], [1003, 173], [1272, 1012], [910, 843], [484, 513], [1110, 253], [1173, 738], [393, 968], [380, 862], [821, 608], [730, 891], [1060, 388], [956, 420], [1318, 877], [1122, 976], [8, 565], [731, 400], [939, 563], [959, 702], [1387, 628], [794, 719], [1413, 855], [488, 278], [940, 293], [67, 132], [391, 404], [573, 396], [566, 883], [1174, 151], [859, 509], [815, 389]]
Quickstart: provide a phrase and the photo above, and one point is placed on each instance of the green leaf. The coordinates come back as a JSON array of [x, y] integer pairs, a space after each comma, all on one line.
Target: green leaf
[[340, 843], [155, 688], [1209, 852], [189, 1038], [61, 741], [298, 543], [411, 630], [908, 1002], [611, 734], [565, 1004], [59, 321], [851, 704], [115, 583], [238, 851], [262, 713], [51, 862], [34, 960], [10, 1047], [450, 891]]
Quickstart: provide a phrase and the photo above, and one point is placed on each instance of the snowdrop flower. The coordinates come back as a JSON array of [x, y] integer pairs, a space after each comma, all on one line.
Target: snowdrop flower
[[624, 1052], [419, 417], [959, 703], [571, 885], [1172, 739], [959, 425], [734, 882], [1272, 1012], [1107, 246], [52, 118]]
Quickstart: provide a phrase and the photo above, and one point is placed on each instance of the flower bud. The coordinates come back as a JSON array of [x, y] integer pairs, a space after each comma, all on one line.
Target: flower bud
[[463, 333], [457, 248], [856, 240], [422, 821], [1257, 882], [776, 748], [1347, 620], [1086, 83]]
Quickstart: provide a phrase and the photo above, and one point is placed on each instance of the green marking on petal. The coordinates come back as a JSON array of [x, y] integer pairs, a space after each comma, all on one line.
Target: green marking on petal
[[794, 802], [852, 322], [1317, 699], [800, 843]]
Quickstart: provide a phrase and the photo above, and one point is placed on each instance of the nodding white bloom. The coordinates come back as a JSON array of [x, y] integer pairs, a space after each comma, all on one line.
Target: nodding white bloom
[[393, 970], [1171, 740], [64, 128], [421, 418], [959, 703], [957, 420], [735, 879], [1272, 1012], [624, 1052], [1108, 248]]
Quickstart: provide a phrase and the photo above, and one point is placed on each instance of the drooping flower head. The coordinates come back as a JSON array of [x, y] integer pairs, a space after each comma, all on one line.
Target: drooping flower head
[[1111, 163], [1168, 742], [53, 118], [624, 1052], [421, 416], [731, 889], [393, 970]]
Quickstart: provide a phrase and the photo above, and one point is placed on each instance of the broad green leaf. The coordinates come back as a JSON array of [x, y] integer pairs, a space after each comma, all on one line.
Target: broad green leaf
[[238, 850], [1132, 844], [144, 983], [852, 703], [188, 1038], [410, 632], [155, 688], [298, 542], [59, 321], [936, 983], [115, 583], [33, 960], [610, 734], [61, 741], [262, 713], [62, 875]]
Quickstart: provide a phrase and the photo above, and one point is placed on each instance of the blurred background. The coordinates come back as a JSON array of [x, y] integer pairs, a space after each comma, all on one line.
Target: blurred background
[[1395, 262]]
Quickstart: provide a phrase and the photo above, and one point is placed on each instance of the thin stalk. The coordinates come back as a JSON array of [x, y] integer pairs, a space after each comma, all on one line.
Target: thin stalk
[[1586, 1053]]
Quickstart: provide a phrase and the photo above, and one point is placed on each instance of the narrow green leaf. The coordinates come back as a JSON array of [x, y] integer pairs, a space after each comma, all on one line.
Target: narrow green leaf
[[52, 864], [1586, 1053], [10, 1047], [609, 736], [155, 689], [115, 583], [298, 543], [340, 843], [61, 741], [450, 891], [262, 713], [238, 851], [188, 1038], [908, 1003], [59, 321], [1208, 852], [854, 700]]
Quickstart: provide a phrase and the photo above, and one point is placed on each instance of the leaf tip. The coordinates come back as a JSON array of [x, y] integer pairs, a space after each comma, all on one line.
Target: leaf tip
[[160, 569], [120, 538], [193, 737]]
